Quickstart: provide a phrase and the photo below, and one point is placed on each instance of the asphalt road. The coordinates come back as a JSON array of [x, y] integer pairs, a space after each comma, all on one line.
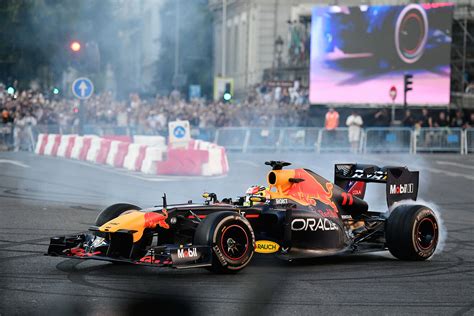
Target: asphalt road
[[41, 197]]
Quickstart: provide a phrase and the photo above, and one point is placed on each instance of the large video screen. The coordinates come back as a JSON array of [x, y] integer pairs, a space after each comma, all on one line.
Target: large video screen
[[359, 54]]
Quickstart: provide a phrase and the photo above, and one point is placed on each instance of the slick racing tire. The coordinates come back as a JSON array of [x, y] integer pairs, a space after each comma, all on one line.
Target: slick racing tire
[[231, 238], [412, 232], [411, 33]]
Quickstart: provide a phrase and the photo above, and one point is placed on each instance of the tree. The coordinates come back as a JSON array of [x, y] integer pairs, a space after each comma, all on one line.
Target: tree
[[195, 45], [35, 36]]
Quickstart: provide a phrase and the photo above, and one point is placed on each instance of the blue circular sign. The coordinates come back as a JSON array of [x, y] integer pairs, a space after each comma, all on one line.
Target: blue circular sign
[[179, 132], [82, 88]]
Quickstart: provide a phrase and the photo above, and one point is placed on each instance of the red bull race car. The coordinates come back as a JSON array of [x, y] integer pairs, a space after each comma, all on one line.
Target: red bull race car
[[298, 215]]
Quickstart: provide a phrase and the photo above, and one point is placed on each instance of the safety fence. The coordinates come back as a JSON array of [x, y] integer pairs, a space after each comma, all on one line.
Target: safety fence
[[469, 141], [272, 139], [439, 140], [393, 140]]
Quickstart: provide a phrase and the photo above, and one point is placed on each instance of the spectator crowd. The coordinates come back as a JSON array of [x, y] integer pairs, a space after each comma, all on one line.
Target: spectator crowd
[[264, 106], [260, 108]]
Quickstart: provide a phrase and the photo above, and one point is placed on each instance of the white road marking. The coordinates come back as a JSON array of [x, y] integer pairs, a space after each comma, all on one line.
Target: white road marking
[[450, 163], [248, 162], [14, 162], [449, 173]]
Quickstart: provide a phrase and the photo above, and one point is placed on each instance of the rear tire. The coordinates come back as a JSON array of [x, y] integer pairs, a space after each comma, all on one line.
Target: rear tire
[[412, 232], [231, 238]]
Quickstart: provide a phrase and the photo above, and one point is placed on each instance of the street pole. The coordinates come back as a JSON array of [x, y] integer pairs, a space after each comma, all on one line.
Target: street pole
[[176, 46], [393, 111], [224, 36], [81, 118]]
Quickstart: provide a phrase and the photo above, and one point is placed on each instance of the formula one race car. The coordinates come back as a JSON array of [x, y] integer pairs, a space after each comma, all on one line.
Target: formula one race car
[[300, 215]]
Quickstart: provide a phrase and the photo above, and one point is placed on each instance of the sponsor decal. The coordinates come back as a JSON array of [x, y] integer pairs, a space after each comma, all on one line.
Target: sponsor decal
[[402, 188], [313, 224], [347, 198], [346, 217], [378, 175], [356, 188], [187, 253], [266, 246], [281, 201], [153, 219], [219, 255], [311, 191]]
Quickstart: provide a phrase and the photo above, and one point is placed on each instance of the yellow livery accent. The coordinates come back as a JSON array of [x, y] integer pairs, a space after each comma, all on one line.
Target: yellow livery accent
[[133, 220], [266, 246]]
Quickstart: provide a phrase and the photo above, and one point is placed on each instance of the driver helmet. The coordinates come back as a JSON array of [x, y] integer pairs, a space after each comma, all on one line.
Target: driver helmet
[[255, 190]]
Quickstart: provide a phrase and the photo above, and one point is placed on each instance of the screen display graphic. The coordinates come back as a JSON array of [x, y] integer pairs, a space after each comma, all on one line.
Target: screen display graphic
[[358, 54]]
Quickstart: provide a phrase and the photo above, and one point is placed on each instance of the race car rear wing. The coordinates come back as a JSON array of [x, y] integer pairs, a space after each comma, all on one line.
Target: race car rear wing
[[401, 183]]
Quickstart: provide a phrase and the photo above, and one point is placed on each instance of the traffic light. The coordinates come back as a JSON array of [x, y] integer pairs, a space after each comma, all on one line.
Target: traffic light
[[84, 56], [407, 86], [55, 90], [75, 46], [408, 81], [227, 96], [11, 90]]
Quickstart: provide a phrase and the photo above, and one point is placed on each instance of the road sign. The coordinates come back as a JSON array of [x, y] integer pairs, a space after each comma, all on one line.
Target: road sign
[[179, 132], [82, 88], [393, 93]]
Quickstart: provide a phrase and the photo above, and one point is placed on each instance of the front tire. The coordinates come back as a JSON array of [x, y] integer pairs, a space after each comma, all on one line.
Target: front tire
[[412, 232], [116, 210], [231, 238]]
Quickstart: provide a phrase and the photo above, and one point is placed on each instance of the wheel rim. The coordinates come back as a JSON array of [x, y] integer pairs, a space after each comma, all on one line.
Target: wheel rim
[[234, 242], [411, 33], [426, 233]]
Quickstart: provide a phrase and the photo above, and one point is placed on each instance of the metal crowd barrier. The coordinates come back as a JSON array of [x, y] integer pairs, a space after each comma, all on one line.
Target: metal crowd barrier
[[207, 134], [389, 139], [336, 140], [272, 139], [244, 139], [262, 139], [469, 141], [441, 139], [6, 136], [233, 138], [17, 137], [299, 138]]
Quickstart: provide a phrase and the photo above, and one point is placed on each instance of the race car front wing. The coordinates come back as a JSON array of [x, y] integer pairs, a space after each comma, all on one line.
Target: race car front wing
[[87, 246]]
